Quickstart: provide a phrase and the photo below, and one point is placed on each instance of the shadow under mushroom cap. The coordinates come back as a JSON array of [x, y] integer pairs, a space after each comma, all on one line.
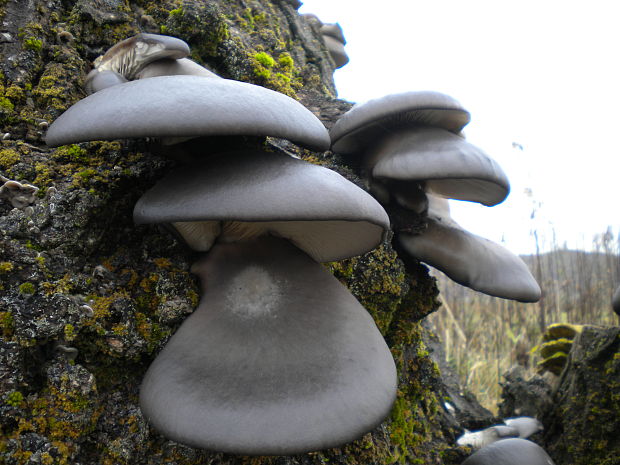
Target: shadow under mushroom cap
[[278, 359], [187, 106], [365, 122], [317, 209]]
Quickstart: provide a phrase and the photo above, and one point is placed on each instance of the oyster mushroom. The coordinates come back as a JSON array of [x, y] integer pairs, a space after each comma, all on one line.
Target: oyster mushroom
[[469, 260], [513, 451], [19, 195], [129, 56], [445, 164], [615, 301], [334, 42], [187, 106], [279, 358]]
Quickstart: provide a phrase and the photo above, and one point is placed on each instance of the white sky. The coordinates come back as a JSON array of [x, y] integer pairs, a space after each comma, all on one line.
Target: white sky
[[542, 73]]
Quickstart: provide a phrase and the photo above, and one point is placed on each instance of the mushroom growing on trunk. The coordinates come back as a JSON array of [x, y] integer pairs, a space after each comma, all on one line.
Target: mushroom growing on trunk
[[279, 358]]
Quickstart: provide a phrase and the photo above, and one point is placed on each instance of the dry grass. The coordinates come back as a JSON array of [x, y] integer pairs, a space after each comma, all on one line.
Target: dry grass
[[484, 336]]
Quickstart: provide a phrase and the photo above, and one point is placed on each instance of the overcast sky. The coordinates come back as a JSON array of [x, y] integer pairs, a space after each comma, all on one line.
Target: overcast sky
[[542, 75]]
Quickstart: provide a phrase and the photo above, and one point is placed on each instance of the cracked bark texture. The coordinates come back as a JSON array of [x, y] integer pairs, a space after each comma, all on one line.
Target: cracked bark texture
[[87, 299]]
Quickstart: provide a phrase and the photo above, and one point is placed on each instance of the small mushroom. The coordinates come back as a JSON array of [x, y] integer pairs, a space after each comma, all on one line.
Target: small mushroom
[[479, 439], [513, 451], [279, 358], [367, 122], [19, 195], [187, 106], [526, 426], [334, 42], [99, 80], [615, 301], [446, 164], [470, 260], [131, 55]]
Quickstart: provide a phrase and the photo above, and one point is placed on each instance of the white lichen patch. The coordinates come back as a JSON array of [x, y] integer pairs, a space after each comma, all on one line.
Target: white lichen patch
[[255, 293]]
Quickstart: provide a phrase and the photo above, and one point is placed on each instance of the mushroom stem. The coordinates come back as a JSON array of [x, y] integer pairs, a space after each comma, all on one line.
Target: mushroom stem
[[278, 358]]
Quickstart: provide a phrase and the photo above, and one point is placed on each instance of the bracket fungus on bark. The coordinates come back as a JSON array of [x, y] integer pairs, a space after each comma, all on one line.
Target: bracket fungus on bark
[[266, 364], [468, 259], [513, 451], [187, 106]]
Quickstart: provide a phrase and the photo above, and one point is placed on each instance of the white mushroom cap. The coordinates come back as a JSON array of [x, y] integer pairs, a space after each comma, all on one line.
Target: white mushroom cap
[[615, 301], [171, 67], [278, 359], [526, 426], [470, 260], [19, 195], [448, 165], [187, 106], [479, 439], [129, 56], [366, 122], [514, 451], [256, 193]]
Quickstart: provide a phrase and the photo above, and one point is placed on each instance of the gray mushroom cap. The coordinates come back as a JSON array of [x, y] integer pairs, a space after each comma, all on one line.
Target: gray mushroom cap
[[615, 301], [448, 165], [278, 359], [171, 67], [365, 122], [98, 80], [187, 106], [470, 260], [514, 451], [333, 30], [129, 56], [336, 51], [253, 193]]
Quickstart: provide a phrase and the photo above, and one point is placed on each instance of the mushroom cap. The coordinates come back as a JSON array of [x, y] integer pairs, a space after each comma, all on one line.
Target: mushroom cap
[[278, 359], [172, 67], [513, 451], [448, 165], [98, 80], [526, 426], [336, 51], [315, 208], [615, 301], [547, 349], [129, 56], [561, 330], [479, 439], [366, 122], [470, 260], [179, 106], [333, 30]]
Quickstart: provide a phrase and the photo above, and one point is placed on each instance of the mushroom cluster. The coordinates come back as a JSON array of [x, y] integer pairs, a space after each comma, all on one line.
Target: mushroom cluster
[[518, 427], [413, 156], [19, 195], [278, 358], [557, 343]]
